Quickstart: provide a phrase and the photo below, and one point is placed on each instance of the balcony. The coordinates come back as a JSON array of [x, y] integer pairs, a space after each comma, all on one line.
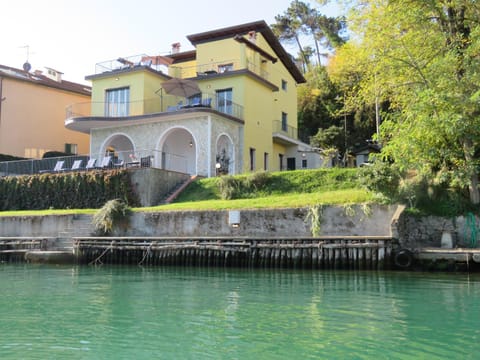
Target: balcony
[[220, 68], [157, 63], [285, 134], [163, 104]]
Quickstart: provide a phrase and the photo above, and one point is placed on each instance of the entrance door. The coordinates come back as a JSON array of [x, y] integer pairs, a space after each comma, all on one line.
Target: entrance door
[[290, 163]]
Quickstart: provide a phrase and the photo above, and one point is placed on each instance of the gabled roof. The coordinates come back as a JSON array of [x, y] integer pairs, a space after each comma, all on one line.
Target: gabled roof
[[259, 27], [39, 79]]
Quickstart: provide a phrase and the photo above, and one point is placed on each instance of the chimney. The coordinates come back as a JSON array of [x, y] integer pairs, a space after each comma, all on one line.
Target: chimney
[[53, 74], [252, 37], [175, 48]]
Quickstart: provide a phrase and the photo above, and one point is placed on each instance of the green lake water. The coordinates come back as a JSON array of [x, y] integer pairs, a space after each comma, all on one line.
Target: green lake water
[[87, 312]]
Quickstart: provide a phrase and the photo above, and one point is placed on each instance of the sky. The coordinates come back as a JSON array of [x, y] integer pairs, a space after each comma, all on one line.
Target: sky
[[71, 36]]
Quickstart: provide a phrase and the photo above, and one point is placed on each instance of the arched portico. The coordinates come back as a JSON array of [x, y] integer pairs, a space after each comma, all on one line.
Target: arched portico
[[178, 151], [120, 146]]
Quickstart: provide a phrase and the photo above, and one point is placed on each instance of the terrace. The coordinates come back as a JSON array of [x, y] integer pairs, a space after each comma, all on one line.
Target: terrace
[[131, 159]]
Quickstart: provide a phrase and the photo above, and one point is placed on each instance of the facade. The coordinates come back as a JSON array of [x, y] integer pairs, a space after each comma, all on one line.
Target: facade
[[32, 113], [243, 116]]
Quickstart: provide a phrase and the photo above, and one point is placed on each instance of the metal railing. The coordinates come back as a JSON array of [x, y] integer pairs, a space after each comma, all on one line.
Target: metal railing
[[117, 159], [282, 128], [164, 103], [218, 67], [129, 62]]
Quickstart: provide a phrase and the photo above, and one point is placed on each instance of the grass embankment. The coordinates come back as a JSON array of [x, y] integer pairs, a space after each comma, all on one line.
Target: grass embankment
[[301, 188], [286, 189]]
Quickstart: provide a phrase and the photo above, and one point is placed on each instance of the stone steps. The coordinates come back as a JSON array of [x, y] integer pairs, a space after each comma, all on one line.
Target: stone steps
[[81, 225]]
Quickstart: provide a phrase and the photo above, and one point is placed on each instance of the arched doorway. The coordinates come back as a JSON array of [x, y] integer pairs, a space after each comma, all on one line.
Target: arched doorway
[[178, 151], [120, 147]]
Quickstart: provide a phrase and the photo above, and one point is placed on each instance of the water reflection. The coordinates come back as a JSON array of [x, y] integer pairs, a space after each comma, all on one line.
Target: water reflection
[[133, 312]]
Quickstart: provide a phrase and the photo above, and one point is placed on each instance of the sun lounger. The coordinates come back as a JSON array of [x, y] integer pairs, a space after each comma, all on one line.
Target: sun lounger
[[91, 164], [58, 167], [77, 165], [118, 164], [106, 162]]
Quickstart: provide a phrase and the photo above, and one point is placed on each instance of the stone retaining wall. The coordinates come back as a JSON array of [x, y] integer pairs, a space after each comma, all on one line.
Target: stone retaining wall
[[416, 232], [335, 220]]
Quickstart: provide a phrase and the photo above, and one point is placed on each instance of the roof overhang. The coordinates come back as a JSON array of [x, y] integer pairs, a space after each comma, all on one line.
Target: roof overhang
[[257, 26]]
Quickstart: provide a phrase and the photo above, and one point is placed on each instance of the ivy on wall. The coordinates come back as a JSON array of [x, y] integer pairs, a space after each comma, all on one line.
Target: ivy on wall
[[75, 190]]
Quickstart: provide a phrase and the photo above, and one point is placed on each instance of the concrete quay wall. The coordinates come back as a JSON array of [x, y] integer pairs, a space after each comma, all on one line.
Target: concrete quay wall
[[357, 220]]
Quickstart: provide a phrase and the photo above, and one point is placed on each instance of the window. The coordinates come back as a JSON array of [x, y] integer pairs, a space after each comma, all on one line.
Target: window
[[225, 67], [284, 85], [252, 159], [280, 158], [71, 148], [224, 101], [304, 163], [284, 122], [265, 161], [117, 102]]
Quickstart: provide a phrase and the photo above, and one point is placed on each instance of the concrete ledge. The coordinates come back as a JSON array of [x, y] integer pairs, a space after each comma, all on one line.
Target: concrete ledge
[[457, 255]]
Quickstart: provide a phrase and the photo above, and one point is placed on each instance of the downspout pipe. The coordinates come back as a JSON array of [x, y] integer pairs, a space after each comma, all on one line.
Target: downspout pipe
[[1, 97]]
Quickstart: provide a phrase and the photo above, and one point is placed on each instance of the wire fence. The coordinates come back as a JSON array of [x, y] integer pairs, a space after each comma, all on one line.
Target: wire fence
[[105, 161]]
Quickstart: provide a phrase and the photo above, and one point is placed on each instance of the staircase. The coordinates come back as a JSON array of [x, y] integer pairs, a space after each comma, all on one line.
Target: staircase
[[81, 225], [172, 195]]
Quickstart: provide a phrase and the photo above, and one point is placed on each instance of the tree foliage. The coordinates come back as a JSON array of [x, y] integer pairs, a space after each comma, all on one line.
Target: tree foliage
[[421, 58], [301, 19]]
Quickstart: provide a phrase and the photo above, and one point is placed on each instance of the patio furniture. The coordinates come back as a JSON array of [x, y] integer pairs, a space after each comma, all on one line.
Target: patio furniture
[[118, 164], [77, 164], [106, 162], [90, 164], [58, 167]]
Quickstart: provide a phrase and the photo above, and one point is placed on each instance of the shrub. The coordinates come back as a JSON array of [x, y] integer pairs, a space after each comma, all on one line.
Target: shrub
[[229, 187], [256, 181], [110, 215], [80, 190], [383, 178]]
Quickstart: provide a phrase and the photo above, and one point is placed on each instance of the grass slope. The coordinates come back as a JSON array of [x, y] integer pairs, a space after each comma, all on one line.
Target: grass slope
[[300, 188]]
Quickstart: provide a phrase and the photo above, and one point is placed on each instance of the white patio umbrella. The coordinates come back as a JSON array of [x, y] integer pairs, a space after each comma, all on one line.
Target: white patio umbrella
[[181, 87]]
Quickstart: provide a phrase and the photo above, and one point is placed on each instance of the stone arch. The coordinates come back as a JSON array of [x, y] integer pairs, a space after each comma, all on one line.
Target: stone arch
[[224, 155], [178, 151], [119, 145]]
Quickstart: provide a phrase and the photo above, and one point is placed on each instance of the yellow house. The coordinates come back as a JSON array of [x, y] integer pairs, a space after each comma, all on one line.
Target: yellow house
[[32, 113], [238, 114]]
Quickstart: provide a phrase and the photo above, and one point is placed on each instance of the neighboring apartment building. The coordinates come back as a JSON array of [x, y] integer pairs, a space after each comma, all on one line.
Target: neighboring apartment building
[[242, 117], [32, 113]]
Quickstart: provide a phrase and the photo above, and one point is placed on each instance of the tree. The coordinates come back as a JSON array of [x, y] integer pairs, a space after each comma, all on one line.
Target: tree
[[301, 19], [422, 59]]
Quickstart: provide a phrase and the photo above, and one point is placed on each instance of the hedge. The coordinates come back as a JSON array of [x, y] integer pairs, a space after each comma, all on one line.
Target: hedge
[[74, 190]]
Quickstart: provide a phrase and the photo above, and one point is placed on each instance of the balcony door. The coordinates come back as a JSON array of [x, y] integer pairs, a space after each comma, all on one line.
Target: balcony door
[[117, 102], [224, 101]]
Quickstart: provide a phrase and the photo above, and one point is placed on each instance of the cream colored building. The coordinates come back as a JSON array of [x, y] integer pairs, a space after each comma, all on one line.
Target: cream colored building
[[243, 118], [32, 113]]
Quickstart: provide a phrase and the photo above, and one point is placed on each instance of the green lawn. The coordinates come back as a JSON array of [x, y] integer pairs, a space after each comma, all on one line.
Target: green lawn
[[287, 189]]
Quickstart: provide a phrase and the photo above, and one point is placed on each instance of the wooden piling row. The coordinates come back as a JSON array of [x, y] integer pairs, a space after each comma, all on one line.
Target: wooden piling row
[[355, 253], [13, 250]]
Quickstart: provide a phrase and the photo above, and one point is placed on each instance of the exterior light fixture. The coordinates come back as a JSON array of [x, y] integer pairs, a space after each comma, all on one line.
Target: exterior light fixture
[[190, 143]]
